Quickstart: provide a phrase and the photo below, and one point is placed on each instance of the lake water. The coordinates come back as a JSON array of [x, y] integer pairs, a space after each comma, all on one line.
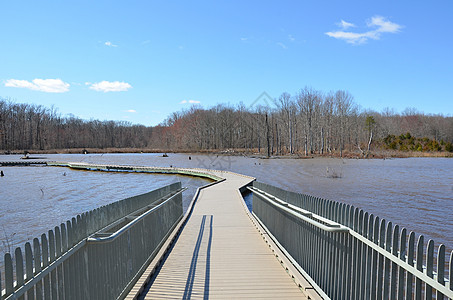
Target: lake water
[[416, 193]]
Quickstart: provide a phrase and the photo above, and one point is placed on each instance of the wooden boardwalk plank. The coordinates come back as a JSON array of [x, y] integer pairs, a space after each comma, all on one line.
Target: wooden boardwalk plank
[[220, 253]]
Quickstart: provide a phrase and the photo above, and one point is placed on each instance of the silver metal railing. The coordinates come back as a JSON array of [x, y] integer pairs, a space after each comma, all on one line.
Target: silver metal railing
[[99, 254], [348, 253]]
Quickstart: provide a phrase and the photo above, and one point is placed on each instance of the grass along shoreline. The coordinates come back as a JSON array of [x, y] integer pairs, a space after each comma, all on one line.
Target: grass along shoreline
[[375, 154]]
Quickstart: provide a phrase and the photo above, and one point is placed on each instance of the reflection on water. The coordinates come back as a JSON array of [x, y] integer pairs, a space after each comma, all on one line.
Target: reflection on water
[[415, 193]]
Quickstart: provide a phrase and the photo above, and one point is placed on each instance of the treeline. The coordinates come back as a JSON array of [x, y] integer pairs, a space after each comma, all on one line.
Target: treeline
[[34, 127], [307, 122]]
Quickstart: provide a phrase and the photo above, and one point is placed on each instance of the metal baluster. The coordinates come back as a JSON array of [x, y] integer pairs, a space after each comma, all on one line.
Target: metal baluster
[[369, 258], [429, 268], [418, 282], [374, 270], [37, 265], [380, 283], [450, 272], [59, 272], [394, 271], [329, 249], [401, 270], [342, 250], [349, 267], [410, 261], [29, 269], [19, 269], [53, 274], [337, 254], [45, 263], [440, 269], [9, 276], [388, 246], [65, 266], [363, 263]]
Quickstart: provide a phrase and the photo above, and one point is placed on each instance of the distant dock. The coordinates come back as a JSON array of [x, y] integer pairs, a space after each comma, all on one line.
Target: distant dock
[[22, 163]]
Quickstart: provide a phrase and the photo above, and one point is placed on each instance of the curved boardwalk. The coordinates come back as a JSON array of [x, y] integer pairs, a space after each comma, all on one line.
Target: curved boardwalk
[[220, 253]]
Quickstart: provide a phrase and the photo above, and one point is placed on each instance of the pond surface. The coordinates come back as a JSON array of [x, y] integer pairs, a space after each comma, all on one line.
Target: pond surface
[[416, 193]]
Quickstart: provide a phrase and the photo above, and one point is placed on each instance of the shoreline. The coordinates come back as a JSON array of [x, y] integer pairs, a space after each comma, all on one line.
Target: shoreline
[[376, 154]]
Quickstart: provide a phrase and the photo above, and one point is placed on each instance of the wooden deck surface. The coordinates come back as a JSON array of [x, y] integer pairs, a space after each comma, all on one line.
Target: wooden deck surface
[[220, 253]]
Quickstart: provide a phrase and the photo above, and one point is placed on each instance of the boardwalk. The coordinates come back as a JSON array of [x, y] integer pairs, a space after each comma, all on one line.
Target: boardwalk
[[220, 253], [219, 250]]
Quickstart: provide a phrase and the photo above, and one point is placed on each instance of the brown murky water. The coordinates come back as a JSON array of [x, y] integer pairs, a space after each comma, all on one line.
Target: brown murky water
[[416, 193]]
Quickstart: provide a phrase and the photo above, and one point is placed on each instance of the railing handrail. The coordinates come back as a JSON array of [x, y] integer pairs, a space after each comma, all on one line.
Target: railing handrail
[[289, 208], [302, 214], [115, 235]]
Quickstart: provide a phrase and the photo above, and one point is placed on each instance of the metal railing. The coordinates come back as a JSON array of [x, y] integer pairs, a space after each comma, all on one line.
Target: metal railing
[[348, 253], [97, 255]]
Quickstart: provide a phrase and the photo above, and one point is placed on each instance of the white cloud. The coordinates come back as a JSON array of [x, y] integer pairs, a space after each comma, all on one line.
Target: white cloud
[[189, 101], [42, 85], [282, 45], [353, 38], [345, 25], [109, 86], [381, 25], [131, 111], [291, 38], [110, 44]]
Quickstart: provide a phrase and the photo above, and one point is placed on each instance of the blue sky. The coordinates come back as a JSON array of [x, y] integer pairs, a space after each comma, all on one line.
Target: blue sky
[[138, 61]]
